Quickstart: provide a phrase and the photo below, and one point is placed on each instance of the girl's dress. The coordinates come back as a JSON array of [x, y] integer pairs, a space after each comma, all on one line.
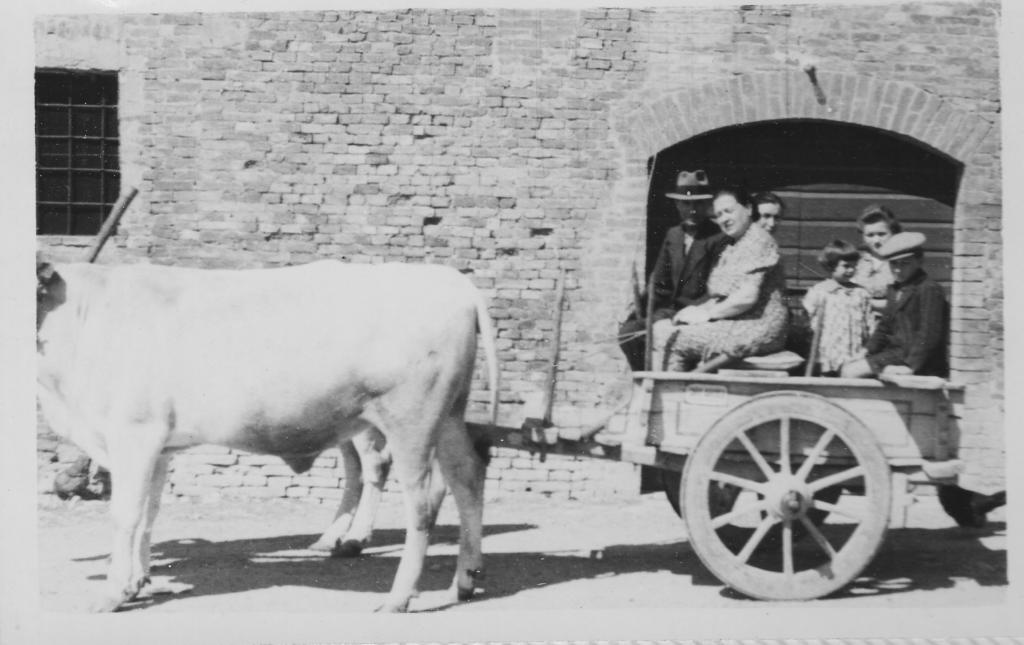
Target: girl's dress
[[845, 319], [752, 259]]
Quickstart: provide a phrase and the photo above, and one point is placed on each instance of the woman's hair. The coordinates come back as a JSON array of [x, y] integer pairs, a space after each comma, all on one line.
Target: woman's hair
[[877, 213], [737, 193], [767, 197], [836, 251]]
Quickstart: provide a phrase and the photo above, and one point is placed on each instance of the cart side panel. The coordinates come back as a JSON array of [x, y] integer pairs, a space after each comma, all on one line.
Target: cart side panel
[[908, 424], [681, 412]]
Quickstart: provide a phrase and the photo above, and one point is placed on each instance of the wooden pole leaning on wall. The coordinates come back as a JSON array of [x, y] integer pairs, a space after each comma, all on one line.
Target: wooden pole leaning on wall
[[649, 325], [649, 309], [111, 223], [554, 352]]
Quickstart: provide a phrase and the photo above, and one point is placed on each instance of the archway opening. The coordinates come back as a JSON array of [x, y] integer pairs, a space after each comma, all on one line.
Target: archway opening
[[826, 172]]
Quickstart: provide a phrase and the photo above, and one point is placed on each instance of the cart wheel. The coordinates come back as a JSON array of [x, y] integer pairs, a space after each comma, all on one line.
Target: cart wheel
[[721, 499], [791, 454]]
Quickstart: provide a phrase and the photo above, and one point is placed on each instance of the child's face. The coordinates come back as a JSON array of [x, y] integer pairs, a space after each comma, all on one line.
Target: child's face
[[904, 268], [844, 271]]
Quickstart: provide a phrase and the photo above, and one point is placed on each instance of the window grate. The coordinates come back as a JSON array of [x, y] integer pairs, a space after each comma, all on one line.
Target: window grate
[[78, 175]]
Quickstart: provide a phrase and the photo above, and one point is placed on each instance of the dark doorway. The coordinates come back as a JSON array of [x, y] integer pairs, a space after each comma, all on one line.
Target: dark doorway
[[826, 172]]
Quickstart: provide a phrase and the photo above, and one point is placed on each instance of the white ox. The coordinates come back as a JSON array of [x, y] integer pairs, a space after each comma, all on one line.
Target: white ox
[[135, 362]]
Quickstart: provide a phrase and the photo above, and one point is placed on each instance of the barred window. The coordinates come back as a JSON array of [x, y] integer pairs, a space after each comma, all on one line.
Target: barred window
[[77, 169]]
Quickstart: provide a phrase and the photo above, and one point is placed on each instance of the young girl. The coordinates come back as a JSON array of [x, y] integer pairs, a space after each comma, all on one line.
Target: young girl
[[839, 308]]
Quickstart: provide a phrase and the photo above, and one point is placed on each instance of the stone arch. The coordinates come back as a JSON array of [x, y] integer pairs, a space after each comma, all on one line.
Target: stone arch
[[894, 106]]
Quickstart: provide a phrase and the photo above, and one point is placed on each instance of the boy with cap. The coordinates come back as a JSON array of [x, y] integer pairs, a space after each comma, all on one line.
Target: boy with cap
[[910, 339], [911, 336], [681, 271]]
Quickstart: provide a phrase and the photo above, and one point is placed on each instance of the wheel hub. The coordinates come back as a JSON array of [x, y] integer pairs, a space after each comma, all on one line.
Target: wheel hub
[[789, 498]]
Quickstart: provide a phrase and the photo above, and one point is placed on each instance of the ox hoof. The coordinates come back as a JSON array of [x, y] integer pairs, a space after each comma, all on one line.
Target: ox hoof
[[393, 608], [162, 585], [106, 604], [347, 549], [465, 593], [323, 545]]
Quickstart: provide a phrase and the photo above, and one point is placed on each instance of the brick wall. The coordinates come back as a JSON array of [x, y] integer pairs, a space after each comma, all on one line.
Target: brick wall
[[513, 144]]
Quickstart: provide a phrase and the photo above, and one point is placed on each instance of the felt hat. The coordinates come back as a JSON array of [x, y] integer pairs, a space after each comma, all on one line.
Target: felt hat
[[902, 245], [691, 186]]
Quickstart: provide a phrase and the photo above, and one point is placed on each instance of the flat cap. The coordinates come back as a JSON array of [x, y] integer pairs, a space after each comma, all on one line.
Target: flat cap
[[901, 245]]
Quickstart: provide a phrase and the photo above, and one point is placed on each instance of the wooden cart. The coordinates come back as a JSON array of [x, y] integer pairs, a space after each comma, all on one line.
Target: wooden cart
[[787, 484]]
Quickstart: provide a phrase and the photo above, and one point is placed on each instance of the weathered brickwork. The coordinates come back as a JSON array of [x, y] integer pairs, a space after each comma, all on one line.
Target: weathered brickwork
[[514, 144]]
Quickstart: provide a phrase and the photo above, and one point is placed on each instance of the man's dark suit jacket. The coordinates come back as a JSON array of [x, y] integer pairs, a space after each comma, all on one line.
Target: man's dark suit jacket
[[913, 328], [681, 279]]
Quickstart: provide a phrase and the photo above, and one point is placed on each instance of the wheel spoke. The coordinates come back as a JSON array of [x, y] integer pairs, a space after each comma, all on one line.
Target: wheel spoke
[[727, 518], [787, 546], [818, 537], [837, 478], [740, 482], [819, 447], [833, 508], [755, 539], [784, 445], [756, 455]]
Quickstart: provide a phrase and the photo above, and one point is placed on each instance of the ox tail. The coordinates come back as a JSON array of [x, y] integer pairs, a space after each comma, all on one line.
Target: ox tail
[[486, 329]]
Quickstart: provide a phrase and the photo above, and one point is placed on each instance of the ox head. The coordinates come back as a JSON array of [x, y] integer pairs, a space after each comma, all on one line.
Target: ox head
[[51, 291]]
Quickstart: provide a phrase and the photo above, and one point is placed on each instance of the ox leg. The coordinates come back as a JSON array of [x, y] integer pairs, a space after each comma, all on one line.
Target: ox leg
[[465, 471], [376, 464], [414, 475], [156, 490], [132, 470], [438, 489], [350, 497]]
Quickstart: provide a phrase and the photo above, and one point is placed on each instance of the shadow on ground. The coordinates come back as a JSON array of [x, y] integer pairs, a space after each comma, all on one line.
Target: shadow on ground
[[909, 559]]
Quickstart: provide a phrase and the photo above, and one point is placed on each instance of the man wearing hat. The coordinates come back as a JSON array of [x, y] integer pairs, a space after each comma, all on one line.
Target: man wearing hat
[[681, 271], [911, 336]]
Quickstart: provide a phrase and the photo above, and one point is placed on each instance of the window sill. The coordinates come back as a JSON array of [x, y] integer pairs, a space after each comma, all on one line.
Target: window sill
[[83, 241]]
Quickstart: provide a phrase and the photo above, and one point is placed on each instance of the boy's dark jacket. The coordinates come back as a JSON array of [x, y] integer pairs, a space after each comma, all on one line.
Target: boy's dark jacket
[[915, 323]]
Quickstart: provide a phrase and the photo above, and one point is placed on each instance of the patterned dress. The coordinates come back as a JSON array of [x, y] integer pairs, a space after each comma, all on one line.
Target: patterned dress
[[845, 321], [753, 260]]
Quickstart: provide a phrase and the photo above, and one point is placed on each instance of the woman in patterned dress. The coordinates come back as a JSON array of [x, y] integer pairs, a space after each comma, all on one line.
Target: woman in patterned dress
[[840, 308], [744, 314]]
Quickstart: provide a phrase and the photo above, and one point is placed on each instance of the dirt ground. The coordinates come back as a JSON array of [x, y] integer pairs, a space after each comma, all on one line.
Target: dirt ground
[[246, 556]]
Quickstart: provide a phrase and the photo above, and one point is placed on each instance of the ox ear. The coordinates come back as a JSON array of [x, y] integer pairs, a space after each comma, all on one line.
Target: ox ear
[[49, 284], [44, 272]]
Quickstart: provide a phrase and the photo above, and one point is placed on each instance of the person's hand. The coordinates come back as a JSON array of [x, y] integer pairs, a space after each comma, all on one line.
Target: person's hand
[[691, 316], [896, 370]]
